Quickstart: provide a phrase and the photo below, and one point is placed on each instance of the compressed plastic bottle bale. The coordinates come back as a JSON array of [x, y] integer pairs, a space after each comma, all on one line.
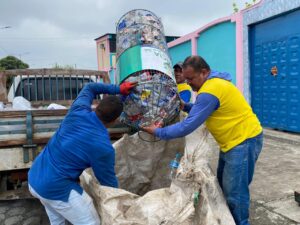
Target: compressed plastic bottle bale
[[139, 27], [142, 56], [154, 100]]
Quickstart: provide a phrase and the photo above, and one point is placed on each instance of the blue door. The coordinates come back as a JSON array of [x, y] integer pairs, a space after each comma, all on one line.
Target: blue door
[[275, 71]]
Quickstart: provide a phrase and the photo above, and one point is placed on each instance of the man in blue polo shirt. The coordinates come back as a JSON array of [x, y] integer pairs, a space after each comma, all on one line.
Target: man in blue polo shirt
[[81, 141]]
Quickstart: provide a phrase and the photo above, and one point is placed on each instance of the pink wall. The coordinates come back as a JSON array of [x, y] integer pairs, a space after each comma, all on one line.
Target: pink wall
[[238, 19], [194, 35]]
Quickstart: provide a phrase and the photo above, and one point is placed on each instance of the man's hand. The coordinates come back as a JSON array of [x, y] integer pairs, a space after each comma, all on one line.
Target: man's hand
[[151, 128], [126, 87]]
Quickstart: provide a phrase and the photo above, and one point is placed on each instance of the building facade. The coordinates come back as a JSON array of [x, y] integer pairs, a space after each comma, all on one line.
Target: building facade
[[260, 47]]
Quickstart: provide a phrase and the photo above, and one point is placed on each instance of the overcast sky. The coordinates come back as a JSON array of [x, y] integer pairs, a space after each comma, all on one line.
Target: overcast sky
[[45, 32]]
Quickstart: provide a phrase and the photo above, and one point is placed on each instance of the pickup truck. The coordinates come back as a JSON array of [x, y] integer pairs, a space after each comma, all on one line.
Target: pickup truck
[[24, 133]]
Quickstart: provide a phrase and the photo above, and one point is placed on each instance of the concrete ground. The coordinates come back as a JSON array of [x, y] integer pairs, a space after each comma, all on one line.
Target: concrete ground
[[277, 176]]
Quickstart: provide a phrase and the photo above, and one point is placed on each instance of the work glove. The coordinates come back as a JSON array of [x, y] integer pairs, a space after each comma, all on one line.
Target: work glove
[[126, 87]]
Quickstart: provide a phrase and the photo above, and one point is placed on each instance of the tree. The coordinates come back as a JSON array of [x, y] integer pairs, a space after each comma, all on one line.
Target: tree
[[10, 63]]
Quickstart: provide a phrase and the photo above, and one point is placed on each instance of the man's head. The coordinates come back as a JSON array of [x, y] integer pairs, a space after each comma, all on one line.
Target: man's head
[[109, 109], [195, 71], [178, 73]]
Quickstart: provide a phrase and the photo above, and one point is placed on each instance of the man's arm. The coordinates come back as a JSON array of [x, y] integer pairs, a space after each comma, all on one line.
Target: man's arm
[[103, 165], [90, 91], [204, 106]]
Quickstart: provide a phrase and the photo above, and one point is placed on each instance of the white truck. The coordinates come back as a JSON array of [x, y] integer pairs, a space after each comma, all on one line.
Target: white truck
[[23, 133]]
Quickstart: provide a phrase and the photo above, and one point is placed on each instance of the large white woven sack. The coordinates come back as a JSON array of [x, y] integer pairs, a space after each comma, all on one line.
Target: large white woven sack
[[147, 195]]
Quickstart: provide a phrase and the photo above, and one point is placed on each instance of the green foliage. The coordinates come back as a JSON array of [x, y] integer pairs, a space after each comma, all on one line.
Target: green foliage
[[57, 66], [247, 4], [235, 8], [11, 63]]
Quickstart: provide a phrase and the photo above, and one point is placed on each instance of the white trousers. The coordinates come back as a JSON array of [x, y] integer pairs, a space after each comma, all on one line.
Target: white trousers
[[79, 210]]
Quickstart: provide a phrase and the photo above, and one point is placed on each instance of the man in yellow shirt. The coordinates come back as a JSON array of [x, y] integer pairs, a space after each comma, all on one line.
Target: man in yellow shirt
[[232, 123], [184, 90]]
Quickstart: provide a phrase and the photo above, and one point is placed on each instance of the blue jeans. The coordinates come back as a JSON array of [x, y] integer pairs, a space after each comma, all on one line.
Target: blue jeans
[[235, 173]]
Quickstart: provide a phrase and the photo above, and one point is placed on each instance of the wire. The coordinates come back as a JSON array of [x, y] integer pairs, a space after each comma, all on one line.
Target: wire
[[155, 138]]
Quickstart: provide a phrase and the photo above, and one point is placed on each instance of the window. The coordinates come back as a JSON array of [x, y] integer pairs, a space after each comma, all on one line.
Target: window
[[51, 88]]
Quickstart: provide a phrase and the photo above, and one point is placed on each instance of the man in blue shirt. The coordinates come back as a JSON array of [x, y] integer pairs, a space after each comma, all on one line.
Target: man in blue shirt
[[81, 141]]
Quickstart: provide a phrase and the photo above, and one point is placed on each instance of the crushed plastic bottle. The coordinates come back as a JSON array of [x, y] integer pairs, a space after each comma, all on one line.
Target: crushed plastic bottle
[[174, 164]]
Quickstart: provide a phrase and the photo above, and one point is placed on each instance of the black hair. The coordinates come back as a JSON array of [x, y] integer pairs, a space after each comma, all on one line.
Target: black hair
[[196, 62], [109, 108]]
